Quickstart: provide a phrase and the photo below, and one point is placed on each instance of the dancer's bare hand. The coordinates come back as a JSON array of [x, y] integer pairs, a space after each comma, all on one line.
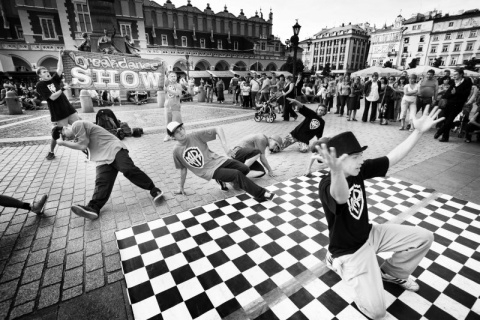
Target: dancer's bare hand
[[294, 102], [427, 120], [331, 160]]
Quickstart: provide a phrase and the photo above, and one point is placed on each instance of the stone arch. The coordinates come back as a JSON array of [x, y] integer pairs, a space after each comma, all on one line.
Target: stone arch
[[271, 67], [202, 65], [49, 62], [222, 65], [180, 65], [21, 64], [240, 66], [283, 67], [256, 66]]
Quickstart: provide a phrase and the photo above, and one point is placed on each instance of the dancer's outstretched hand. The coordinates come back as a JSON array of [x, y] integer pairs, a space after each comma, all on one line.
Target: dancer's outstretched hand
[[295, 103], [331, 160], [427, 120]]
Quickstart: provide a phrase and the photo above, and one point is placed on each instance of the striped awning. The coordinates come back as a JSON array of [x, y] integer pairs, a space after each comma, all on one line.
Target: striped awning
[[221, 74]]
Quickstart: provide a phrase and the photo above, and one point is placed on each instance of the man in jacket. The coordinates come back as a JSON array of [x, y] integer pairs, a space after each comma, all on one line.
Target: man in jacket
[[372, 95]]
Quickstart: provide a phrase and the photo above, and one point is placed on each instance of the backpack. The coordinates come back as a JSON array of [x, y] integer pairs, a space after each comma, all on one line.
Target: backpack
[[126, 129], [106, 119]]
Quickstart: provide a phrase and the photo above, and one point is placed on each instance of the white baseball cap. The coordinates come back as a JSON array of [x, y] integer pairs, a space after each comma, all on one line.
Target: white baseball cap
[[172, 126]]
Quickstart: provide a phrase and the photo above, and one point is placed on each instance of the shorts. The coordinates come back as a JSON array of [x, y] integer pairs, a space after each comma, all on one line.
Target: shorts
[[68, 120]]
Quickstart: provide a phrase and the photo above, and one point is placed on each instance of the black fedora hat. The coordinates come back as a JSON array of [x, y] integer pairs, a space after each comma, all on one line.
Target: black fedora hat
[[345, 142]]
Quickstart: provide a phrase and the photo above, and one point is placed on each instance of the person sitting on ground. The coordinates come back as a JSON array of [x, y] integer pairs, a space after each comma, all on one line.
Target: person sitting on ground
[[95, 97], [111, 156], [105, 96], [354, 241], [192, 153], [115, 96], [31, 99], [252, 149], [37, 206], [307, 93], [311, 126], [316, 149], [472, 126]]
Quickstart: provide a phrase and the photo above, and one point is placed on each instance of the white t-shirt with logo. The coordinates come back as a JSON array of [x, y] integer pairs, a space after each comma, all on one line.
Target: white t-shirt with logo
[[193, 153]]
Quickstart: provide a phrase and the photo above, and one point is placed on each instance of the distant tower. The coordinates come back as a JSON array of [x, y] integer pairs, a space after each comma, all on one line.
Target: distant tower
[[270, 15]]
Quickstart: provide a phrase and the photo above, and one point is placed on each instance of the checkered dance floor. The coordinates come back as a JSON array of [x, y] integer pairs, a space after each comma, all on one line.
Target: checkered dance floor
[[240, 259]]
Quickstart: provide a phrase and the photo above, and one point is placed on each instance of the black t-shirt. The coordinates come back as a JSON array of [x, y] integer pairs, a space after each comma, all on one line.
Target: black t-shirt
[[348, 223], [311, 126], [60, 108]]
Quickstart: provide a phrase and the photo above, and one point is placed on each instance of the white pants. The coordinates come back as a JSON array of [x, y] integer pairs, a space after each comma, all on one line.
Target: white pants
[[408, 109], [361, 272]]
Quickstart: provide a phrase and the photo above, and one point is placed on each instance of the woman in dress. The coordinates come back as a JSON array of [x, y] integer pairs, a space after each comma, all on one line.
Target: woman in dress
[[354, 99], [220, 88], [387, 100]]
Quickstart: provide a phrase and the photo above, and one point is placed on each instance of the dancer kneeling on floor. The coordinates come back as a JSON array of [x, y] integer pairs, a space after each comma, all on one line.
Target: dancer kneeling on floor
[[251, 151], [111, 156], [354, 242], [192, 153], [311, 126]]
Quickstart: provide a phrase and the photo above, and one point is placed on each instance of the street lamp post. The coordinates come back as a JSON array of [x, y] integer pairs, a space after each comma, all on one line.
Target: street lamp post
[[188, 67], [294, 41]]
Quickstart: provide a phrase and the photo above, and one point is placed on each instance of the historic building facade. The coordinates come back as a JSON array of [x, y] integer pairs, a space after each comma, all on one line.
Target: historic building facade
[[33, 31], [385, 44]]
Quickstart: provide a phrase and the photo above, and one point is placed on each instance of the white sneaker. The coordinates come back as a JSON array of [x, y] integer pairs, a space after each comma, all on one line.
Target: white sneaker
[[407, 284]]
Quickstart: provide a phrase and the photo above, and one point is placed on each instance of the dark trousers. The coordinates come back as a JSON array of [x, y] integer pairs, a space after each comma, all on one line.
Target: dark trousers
[[451, 111], [235, 171], [469, 129], [107, 173], [343, 103], [337, 102], [253, 101], [243, 154], [9, 202], [329, 102], [422, 103], [246, 101], [264, 96], [373, 115], [288, 111]]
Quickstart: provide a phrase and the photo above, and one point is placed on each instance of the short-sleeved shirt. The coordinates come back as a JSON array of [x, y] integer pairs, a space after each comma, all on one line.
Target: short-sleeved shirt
[[348, 223], [193, 153], [102, 146], [172, 101], [374, 94], [254, 85], [255, 141], [311, 126], [60, 108], [266, 85], [428, 88]]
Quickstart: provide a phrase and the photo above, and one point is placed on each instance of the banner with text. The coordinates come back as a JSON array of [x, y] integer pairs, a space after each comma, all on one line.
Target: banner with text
[[91, 70]]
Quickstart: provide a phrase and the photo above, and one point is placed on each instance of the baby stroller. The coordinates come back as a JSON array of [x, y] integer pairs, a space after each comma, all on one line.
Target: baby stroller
[[266, 110], [186, 96]]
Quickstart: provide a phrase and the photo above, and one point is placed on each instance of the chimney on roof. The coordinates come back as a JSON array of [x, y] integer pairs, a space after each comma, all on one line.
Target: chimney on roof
[[349, 23], [343, 24]]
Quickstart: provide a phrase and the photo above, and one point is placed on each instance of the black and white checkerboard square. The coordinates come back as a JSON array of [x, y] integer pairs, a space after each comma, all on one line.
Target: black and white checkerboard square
[[236, 258]]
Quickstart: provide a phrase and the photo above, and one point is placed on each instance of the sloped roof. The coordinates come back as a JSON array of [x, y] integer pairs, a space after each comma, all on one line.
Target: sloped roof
[[341, 28], [190, 9]]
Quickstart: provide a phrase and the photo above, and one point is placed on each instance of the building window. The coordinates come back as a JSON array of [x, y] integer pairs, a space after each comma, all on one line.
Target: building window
[[453, 61], [235, 45], [422, 39], [263, 46], [450, 24], [48, 29], [448, 36], [19, 32], [405, 49], [202, 43], [435, 38], [473, 33], [420, 49], [84, 24], [184, 41], [469, 46], [219, 44], [164, 40], [460, 35], [456, 47], [445, 48], [433, 50], [125, 28], [406, 40]]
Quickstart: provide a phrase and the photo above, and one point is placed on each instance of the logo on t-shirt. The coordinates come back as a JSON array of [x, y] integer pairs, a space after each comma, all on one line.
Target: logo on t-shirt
[[52, 88], [355, 201], [194, 157], [314, 124], [173, 88]]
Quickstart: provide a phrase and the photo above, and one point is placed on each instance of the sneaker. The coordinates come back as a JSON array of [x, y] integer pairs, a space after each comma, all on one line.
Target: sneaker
[[268, 196], [156, 194], [50, 156], [222, 184], [38, 206], [407, 284], [85, 211]]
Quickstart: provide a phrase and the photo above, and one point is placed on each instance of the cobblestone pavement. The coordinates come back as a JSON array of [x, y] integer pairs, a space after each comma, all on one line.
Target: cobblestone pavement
[[52, 265]]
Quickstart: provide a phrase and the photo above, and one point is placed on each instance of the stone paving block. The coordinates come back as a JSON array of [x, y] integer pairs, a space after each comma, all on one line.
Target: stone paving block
[[4, 308], [19, 256], [120, 225], [75, 233], [112, 263], [13, 229], [56, 258], [52, 275], [76, 221], [8, 289], [49, 296], [5, 252], [19, 218], [72, 292], [94, 280], [108, 225], [74, 260], [93, 247], [73, 278], [44, 232], [61, 222], [21, 310], [58, 244], [37, 257], [32, 273], [92, 235], [41, 244], [110, 248], [75, 245], [115, 276], [27, 292], [12, 272], [94, 262]]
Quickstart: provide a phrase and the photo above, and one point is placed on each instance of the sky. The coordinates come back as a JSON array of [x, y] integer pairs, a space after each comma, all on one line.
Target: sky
[[313, 15]]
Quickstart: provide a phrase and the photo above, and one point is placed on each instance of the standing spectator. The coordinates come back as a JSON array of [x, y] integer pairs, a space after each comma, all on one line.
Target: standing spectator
[[50, 88], [233, 87], [456, 97], [354, 99], [398, 86], [409, 100], [115, 96], [387, 99], [372, 94], [345, 91], [246, 95], [309, 93], [191, 86], [86, 44], [209, 87], [220, 89], [427, 91], [446, 76], [474, 94], [173, 92], [338, 83], [298, 85], [288, 92], [265, 89], [331, 92], [281, 99], [254, 88], [273, 85]]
